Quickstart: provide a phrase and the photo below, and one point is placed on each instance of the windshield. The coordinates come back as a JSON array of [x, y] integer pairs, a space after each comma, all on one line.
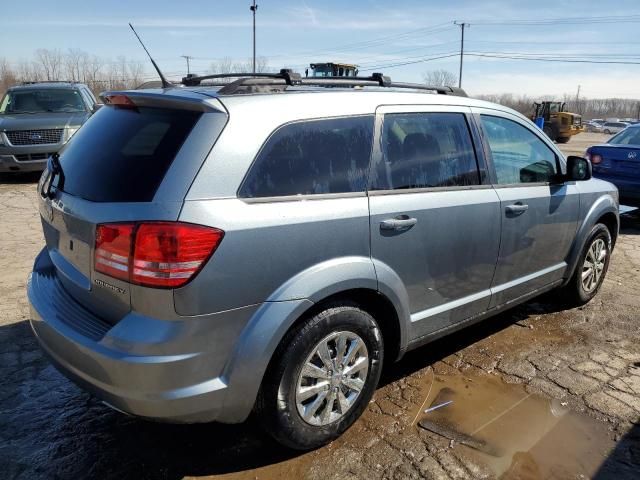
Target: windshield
[[629, 136], [56, 100]]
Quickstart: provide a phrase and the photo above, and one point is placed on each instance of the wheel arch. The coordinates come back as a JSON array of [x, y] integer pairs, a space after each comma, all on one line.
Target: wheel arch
[[348, 279], [605, 211]]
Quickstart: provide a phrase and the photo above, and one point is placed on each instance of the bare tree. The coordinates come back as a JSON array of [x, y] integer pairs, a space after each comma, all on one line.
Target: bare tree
[[7, 76], [50, 63], [440, 78]]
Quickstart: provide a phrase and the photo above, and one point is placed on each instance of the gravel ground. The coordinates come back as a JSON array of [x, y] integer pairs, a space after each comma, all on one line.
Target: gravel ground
[[588, 359]]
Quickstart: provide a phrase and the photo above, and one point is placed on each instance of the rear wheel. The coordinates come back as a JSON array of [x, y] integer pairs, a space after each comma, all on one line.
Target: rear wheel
[[608, 132], [592, 267], [322, 377], [563, 139]]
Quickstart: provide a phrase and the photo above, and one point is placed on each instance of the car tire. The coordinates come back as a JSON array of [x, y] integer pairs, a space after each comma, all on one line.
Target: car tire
[[563, 139], [607, 132], [549, 131], [581, 289], [293, 404]]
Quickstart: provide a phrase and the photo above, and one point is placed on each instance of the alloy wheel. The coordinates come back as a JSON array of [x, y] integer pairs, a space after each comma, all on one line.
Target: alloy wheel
[[332, 378], [593, 266]]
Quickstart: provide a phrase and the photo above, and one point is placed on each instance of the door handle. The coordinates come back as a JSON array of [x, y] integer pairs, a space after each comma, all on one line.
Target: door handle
[[516, 209], [402, 222]]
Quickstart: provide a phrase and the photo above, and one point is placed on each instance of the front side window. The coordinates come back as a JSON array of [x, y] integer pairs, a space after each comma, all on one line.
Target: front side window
[[313, 157], [56, 100], [519, 156], [425, 150]]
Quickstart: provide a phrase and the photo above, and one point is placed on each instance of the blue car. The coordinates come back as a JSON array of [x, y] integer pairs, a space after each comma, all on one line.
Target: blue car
[[618, 162]]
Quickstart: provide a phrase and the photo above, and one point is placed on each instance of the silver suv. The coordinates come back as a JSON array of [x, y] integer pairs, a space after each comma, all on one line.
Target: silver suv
[[267, 245], [37, 119]]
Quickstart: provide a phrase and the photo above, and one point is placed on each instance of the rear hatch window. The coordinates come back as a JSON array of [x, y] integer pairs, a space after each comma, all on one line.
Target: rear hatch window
[[122, 154]]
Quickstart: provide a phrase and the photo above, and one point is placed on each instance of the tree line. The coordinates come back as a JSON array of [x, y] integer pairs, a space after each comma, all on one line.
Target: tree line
[[73, 65], [106, 74]]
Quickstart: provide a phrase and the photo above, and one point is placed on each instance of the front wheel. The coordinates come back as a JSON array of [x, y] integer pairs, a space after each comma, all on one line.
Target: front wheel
[[563, 139], [592, 267], [607, 132], [322, 377]]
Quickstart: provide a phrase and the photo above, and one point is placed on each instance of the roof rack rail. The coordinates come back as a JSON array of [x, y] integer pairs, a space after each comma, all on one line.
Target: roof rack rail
[[286, 77], [34, 82]]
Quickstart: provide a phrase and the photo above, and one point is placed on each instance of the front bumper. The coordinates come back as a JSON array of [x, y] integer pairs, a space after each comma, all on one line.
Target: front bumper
[[169, 370], [10, 163]]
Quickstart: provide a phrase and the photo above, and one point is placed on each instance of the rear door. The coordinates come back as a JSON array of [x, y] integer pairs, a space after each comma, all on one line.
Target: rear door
[[539, 215], [434, 221], [113, 171]]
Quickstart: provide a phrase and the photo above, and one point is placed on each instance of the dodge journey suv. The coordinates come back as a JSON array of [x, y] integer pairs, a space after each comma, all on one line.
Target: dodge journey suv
[[37, 119], [266, 246]]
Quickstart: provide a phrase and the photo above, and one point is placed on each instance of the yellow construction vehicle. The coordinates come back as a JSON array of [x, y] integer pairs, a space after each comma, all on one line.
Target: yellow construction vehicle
[[559, 125], [331, 69]]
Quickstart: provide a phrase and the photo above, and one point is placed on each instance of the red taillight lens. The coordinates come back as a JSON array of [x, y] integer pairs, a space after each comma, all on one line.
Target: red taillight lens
[[595, 159], [169, 254], [164, 254], [113, 249]]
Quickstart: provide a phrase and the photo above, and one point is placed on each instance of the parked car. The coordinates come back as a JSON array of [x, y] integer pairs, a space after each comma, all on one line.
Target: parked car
[[618, 162], [613, 127], [269, 245], [37, 119], [593, 127]]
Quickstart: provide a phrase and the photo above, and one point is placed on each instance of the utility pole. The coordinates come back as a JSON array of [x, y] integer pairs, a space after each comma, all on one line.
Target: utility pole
[[578, 100], [254, 9], [462, 26], [187, 58]]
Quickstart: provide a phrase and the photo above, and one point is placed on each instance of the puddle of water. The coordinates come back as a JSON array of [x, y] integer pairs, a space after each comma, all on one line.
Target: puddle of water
[[516, 434]]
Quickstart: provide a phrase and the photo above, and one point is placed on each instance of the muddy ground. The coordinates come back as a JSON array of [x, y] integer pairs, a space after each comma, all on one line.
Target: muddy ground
[[538, 392]]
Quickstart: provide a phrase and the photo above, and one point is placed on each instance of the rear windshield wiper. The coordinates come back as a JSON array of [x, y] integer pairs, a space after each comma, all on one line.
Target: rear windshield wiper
[[55, 171]]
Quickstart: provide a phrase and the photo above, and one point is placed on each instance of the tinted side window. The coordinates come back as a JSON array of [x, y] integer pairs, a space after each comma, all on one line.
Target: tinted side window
[[519, 156], [425, 150], [311, 157]]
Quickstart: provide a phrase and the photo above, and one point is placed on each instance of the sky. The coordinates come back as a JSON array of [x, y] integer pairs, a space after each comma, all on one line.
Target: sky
[[400, 38]]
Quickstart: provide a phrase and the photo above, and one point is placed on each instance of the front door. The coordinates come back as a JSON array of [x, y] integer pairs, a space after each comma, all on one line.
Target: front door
[[433, 221], [539, 214]]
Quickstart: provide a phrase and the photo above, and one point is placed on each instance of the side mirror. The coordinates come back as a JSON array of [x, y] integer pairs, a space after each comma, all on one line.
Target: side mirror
[[578, 169], [96, 107]]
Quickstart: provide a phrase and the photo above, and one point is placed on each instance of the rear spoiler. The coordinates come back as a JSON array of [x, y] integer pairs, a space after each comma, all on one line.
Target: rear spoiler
[[162, 99]]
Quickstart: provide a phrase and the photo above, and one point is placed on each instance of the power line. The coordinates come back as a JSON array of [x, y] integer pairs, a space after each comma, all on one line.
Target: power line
[[565, 20], [549, 59], [400, 64]]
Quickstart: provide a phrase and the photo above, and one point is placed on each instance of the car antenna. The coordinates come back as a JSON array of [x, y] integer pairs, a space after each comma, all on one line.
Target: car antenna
[[165, 82]]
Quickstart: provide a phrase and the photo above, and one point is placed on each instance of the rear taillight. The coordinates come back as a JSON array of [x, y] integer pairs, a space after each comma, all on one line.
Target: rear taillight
[[593, 157], [154, 254], [113, 249]]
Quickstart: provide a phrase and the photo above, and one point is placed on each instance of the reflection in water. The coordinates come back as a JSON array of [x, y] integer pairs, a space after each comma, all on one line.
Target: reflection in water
[[518, 435]]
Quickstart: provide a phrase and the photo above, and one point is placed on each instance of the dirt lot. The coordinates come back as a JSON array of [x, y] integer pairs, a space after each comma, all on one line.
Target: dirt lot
[[538, 392]]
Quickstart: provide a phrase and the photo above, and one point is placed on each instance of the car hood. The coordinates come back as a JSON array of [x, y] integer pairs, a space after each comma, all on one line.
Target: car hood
[[38, 121]]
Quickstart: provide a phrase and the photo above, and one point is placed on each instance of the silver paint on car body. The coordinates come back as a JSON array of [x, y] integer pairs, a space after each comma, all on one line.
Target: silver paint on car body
[[199, 352]]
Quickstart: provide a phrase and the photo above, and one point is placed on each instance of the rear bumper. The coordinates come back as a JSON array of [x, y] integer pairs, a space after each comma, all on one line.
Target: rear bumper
[[171, 370], [628, 189]]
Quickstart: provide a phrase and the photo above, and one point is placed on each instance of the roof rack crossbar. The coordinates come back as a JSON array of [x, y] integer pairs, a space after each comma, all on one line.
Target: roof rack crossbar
[[291, 77]]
